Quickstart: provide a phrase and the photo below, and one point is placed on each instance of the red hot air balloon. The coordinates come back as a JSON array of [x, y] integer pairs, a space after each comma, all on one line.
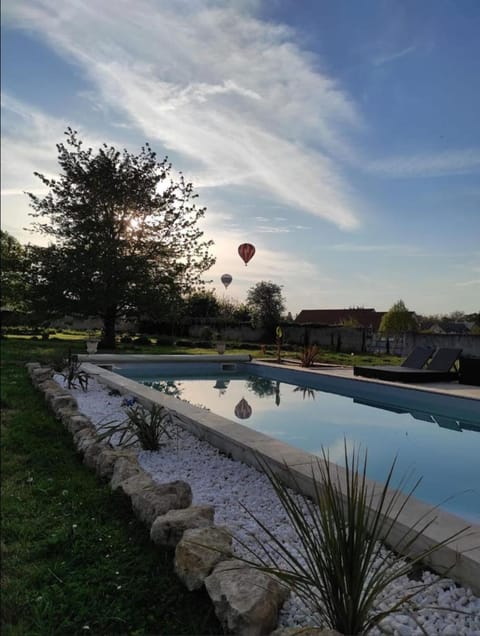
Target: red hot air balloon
[[226, 280], [246, 251], [243, 410]]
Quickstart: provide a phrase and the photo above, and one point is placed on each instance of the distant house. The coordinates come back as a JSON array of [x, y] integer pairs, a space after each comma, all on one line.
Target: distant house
[[447, 327], [367, 318]]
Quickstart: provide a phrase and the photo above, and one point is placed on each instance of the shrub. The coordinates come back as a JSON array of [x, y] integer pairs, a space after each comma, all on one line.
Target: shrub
[[184, 343], [126, 339], [165, 341], [142, 340]]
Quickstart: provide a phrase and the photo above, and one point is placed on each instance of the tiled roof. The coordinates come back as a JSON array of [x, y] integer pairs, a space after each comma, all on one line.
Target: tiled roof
[[365, 317]]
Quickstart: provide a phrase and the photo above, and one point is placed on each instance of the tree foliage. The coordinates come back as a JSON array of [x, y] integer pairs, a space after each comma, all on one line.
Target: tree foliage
[[13, 280], [126, 240], [398, 320], [266, 305], [202, 304]]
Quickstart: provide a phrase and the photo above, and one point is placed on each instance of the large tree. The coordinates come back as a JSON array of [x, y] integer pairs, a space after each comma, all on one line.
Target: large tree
[[13, 266], [126, 240], [398, 320], [266, 305]]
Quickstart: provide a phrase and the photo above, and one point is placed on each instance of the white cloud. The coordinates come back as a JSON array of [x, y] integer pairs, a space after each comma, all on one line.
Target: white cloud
[[217, 85], [450, 162]]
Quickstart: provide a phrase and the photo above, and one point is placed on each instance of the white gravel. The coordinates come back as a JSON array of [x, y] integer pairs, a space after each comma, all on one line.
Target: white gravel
[[226, 484]]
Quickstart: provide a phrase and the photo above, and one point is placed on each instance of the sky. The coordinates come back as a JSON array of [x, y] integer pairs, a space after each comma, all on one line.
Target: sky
[[341, 138]]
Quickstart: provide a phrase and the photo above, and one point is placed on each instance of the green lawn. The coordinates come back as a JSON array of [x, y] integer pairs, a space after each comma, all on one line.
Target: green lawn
[[74, 559]]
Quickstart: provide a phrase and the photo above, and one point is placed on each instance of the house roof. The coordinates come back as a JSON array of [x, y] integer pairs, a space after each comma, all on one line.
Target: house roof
[[365, 317]]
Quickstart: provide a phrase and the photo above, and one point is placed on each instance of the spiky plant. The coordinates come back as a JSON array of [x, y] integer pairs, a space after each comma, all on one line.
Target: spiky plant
[[308, 355], [342, 570], [148, 427], [70, 368]]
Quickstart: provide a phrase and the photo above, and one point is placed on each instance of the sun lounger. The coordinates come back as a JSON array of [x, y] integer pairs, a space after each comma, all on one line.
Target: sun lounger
[[415, 360], [439, 369]]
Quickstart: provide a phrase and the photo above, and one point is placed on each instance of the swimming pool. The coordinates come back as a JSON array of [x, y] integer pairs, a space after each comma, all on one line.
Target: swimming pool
[[436, 437]]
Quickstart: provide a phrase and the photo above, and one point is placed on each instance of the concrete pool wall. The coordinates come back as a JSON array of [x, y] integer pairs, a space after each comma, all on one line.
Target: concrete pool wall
[[460, 559]]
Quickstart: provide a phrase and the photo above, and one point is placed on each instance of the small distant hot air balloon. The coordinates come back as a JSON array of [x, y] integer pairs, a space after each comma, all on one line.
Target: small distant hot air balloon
[[243, 410], [226, 280], [246, 251]]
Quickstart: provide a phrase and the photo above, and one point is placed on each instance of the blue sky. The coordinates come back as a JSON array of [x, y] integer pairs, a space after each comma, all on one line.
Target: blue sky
[[342, 138]]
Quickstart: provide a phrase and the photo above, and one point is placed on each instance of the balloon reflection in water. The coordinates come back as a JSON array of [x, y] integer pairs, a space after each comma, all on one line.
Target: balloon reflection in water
[[243, 410]]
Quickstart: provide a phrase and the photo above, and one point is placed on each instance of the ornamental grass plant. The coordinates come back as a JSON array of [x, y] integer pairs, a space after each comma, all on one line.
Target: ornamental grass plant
[[148, 427], [342, 570]]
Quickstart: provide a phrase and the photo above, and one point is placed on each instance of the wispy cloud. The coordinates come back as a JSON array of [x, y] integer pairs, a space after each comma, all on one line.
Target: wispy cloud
[[391, 57], [469, 283], [372, 247], [428, 165], [215, 84]]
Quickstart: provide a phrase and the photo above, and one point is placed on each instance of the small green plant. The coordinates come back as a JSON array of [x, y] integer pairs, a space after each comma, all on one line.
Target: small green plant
[[309, 355], [342, 570], [148, 427], [70, 368]]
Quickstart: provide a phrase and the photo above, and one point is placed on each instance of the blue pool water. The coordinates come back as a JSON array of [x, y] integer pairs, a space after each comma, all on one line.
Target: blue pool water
[[438, 440]]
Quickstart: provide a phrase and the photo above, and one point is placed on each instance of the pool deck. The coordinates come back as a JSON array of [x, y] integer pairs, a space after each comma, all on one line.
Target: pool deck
[[299, 469], [454, 389]]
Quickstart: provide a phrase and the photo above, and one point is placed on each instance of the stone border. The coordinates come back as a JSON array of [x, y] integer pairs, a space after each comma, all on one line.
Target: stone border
[[246, 601], [460, 559]]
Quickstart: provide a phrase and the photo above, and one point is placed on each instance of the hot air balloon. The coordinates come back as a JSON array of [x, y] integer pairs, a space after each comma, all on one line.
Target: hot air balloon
[[246, 251], [243, 410], [226, 280]]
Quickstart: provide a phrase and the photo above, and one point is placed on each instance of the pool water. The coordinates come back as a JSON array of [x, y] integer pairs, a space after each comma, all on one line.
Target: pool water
[[436, 446]]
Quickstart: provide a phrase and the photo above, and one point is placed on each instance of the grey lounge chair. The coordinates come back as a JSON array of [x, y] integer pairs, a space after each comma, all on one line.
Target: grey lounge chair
[[439, 369], [415, 360]]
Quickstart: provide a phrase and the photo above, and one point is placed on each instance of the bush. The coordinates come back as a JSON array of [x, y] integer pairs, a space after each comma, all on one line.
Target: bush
[[165, 341], [184, 343], [126, 339], [143, 341]]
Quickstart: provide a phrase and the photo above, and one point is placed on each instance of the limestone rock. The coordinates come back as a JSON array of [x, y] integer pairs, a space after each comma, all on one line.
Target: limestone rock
[[40, 374], [77, 422], [107, 459], [62, 401], [193, 559], [30, 366], [135, 483], [246, 600], [91, 454], [66, 413], [83, 439], [168, 529], [149, 503], [124, 468]]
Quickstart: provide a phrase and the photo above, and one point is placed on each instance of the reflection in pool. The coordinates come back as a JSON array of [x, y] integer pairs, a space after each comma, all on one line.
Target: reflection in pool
[[436, 446]]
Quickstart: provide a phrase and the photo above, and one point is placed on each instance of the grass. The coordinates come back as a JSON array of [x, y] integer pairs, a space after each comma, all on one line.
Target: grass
[[74, 559]]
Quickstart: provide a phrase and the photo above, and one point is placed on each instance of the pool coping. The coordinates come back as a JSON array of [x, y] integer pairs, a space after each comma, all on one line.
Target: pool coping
[[460, 560]]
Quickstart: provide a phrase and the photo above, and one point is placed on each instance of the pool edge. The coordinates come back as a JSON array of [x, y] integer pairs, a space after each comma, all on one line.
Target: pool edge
[[460, 560]]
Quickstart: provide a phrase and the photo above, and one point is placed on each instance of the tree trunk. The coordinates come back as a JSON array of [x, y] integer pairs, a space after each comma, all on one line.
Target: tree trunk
[[108, 338]]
